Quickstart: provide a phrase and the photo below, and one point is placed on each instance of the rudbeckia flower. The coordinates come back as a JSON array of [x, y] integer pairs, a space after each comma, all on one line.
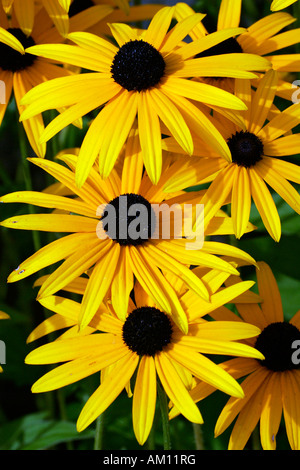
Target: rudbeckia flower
[[257, 151], [281, 4], [146, 342], [20, 71], [146, 75], [102, 217], [271, 385], [264, 38]]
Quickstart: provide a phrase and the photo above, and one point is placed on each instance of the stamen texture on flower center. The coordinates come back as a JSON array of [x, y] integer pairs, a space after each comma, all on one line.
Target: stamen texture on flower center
[[129, 219], [138, 66], [147, 331], [275, 342], [13, 60], [246, 148]]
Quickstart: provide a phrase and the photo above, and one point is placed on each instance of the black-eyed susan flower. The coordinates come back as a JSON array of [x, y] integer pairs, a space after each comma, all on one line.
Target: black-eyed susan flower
[[258, 145], [146, 342], [20, 71], [122, 227], [263, 37], [271, 385], [146, 75], [277, 5]]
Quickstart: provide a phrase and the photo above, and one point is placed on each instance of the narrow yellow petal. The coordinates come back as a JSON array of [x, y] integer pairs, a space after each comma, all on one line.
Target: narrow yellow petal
[[175, 389], [180, 31], [34, 126], [51, 223], [10, 40], [269, 291], [133, 164], [240, 201], [144, 399], [199, 123], [262, 101], [76, 264], [172, 118], [158, 288], [159, 26], [24, 11], [265, 205], [290, 386], [271, 413], [111, 387], [280, 185], [58, 15], [122, 33], [122, 284], [218, 192], [116, 130], [209, 40], [205, 370], [202, 92], [50, 201], [169, 263], [281, 4], [251, 384], [49, 254], [229, 14], [72, 55], [150, 137], [99, 283]]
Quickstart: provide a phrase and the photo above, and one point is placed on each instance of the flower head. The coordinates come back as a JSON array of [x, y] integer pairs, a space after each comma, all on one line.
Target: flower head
[[115, 228], [258, 144], [147, 75], [271, 385], [147, 342], [263, 38]]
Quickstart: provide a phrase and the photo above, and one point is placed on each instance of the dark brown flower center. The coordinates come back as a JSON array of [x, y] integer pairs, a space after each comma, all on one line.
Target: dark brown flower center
[[147, 331], [277, 343], [12, 60], [246, 148], [138, 66], [129, 219]]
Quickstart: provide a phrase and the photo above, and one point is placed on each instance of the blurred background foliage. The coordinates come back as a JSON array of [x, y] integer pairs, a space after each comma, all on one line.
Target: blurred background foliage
[[47, 421]]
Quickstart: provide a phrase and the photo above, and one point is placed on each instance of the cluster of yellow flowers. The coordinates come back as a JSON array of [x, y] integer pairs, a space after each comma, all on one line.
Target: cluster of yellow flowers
[[166, 107]]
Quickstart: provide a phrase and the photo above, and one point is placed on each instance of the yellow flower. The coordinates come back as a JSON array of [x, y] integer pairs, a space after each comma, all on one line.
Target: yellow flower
[[20, 71], [145, 75], [271, 386], [262, 38], [147, 342], [256, 148], [101, 237]]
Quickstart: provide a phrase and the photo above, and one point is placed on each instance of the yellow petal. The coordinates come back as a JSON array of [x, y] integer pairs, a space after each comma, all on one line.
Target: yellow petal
[[229, 14], [111, 387], [175, 388], [144, 399], [265, 205]]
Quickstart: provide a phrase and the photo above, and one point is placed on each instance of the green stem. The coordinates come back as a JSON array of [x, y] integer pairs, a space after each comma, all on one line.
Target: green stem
[[164, 416], [98, 443], [198, 436]]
